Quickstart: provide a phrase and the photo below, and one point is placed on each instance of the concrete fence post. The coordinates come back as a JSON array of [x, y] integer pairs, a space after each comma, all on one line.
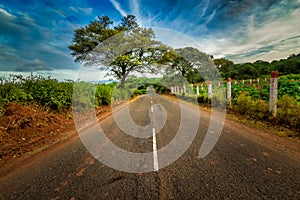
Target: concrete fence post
[[209, 88], [184, 89], [257, 80], [197, 89], [273, 93], [250, 81], [228, 89], [243, 81]]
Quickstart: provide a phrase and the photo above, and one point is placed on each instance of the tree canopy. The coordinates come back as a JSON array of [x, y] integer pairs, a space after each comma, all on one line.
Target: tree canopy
[[119, 49], [259, 68], [187, 64]]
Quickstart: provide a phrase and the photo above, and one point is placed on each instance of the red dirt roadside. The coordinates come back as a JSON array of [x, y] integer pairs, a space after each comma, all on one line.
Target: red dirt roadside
[[26, 130]]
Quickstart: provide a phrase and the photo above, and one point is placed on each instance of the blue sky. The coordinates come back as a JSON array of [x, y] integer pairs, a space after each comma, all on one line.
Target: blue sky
[[34, 34]]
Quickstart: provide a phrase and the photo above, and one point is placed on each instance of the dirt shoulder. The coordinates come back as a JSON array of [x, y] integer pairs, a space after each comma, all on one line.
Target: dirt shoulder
[[27, 130]]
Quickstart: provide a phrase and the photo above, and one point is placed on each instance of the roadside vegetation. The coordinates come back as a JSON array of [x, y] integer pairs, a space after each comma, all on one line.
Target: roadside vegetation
[[59, 96]]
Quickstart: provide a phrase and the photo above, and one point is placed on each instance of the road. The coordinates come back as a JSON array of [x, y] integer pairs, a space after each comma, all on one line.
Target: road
[[240, 166]]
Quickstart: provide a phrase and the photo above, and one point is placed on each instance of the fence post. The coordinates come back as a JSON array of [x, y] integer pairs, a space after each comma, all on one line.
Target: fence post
[[228, 90], [243, 81], [273, 93], [250, 81], [197, 89], [209, 88], [184, 89]]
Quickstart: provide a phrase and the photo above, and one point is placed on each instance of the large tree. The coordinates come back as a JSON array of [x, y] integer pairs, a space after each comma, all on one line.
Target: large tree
[[190, 63], [119, 49]]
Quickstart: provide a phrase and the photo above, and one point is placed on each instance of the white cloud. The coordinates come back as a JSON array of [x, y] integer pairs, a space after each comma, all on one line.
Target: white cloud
[[7, 14], [84, 74], [117, 6], [175, 39], [204, 7], [73, 9], [87, 11], [135, 9], [209, 18], [255, 36]]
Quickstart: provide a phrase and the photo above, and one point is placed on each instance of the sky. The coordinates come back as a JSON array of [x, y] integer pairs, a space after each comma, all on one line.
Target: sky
[[35, 34]]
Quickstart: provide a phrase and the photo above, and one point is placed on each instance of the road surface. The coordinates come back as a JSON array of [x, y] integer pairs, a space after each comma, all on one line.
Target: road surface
[[240, 166]]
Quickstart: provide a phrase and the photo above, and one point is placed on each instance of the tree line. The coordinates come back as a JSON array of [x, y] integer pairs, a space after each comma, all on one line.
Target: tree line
[[126, 47], [259, 68]]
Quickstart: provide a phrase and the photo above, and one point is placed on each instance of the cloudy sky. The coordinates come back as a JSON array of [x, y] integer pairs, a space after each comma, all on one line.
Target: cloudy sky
[[34, 34]]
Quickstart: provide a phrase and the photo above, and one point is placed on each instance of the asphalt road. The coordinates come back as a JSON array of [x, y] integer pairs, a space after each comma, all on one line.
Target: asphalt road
[[238, 167]]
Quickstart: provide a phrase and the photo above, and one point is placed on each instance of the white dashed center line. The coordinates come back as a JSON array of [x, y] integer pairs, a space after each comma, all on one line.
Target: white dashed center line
[[155, 162]]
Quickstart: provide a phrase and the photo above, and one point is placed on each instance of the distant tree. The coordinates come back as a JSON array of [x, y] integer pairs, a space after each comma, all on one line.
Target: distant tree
[[223, 64], [262, 67], [119, 49], [247, 71], [189, 62]]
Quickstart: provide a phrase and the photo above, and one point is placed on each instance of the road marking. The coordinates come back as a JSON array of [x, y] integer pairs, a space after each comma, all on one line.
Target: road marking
[[151, 109], [155, 162]]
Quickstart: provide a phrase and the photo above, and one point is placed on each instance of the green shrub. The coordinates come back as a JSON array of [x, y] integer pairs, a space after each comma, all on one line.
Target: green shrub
[[136, 93], [244, 104], [288, 112], [143, 91], [260, 111], [103, 96], [120, 94]]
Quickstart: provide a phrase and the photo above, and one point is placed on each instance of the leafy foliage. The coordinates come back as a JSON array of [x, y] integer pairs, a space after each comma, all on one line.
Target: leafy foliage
[[259, 68], [37, 90], [119, 49], [60, 96]]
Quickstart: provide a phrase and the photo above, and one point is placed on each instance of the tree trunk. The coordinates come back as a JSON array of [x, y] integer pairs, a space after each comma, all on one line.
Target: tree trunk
[[122, 83]]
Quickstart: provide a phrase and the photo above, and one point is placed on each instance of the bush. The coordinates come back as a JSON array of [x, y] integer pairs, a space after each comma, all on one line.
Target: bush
[[288, 112], [120, 94], [136, 93], [260, 111], [244, 104], [103, 95]]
